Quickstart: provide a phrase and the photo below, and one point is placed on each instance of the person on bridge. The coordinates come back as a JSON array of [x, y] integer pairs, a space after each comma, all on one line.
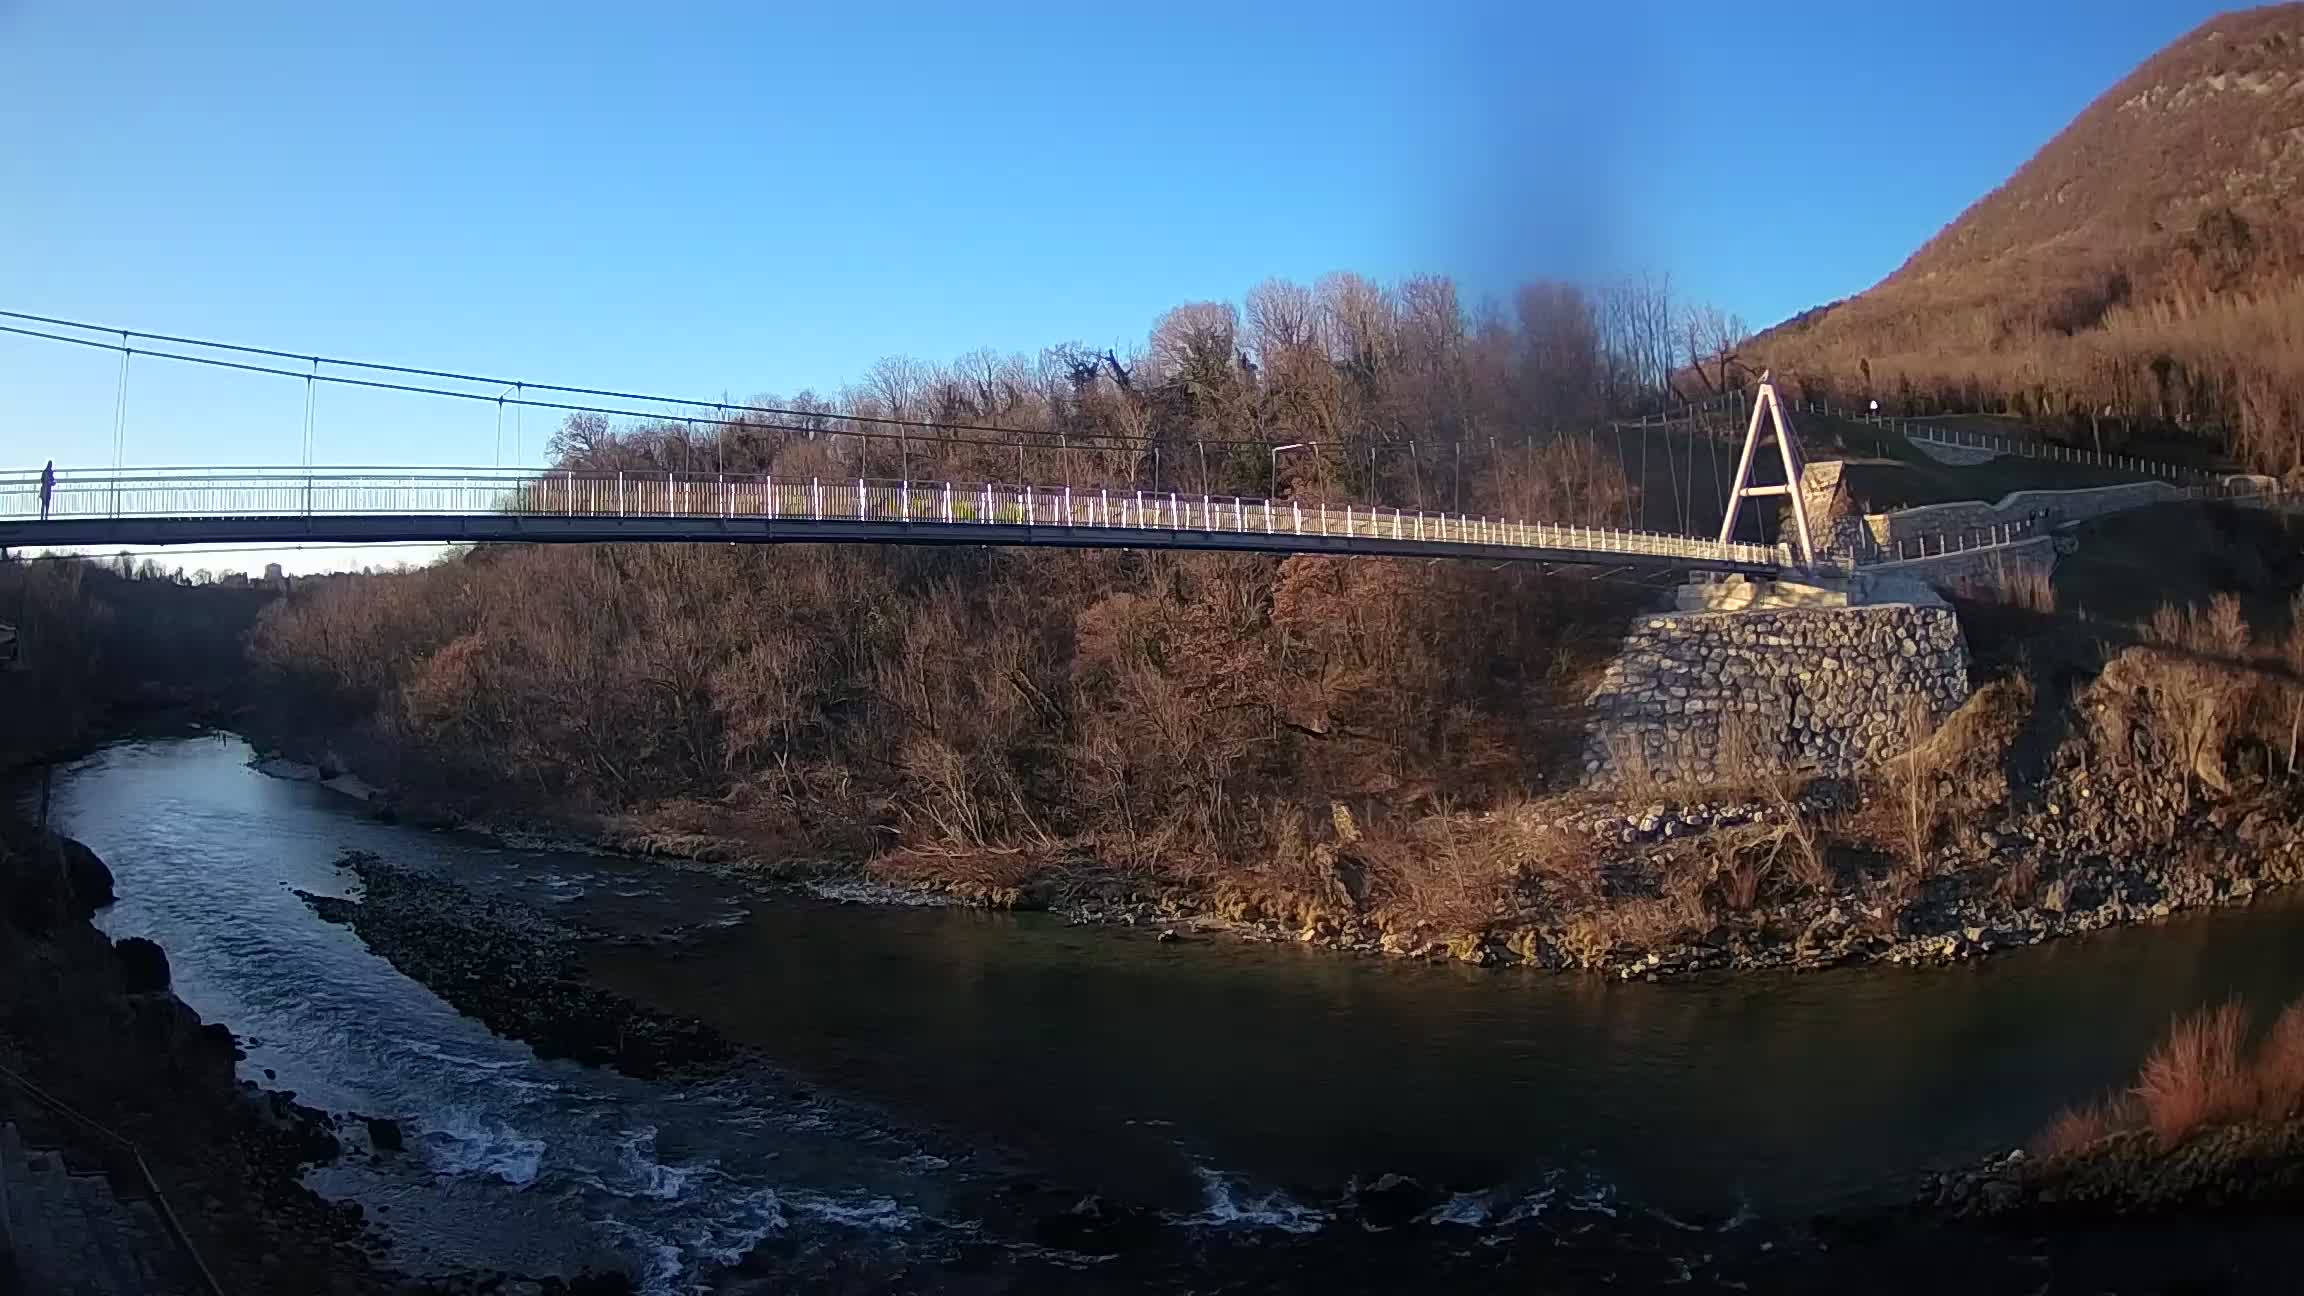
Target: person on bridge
[[47, 488]]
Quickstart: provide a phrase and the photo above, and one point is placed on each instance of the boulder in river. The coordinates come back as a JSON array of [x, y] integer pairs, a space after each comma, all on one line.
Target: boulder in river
[[1393, 1200], [143, 966], [90, 881], [384, 1134]]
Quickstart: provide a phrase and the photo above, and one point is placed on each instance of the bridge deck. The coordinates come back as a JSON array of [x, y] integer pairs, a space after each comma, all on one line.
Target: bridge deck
[[281, 507]]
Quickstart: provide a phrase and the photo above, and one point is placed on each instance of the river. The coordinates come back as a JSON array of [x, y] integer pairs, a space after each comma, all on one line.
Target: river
[[928, 1056]]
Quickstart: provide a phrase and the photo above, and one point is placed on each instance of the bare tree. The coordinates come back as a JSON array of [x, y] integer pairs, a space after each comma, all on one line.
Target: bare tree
[[1712, 343]]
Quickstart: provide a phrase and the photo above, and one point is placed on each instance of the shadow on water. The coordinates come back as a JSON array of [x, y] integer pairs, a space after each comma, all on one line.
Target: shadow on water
[[1114, 1055]]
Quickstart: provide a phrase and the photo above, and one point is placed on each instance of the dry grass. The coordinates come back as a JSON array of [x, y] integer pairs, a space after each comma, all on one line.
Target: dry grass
[[1447, 872], [1738, 877], [2025, 586], [2202, 1074], [2076, 1128], [2280, 1066], [967, 868], [2174, 704], [2197, 1075], [1969, 749]]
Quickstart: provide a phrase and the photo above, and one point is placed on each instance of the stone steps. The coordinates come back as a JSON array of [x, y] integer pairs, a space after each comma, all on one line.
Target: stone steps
[[67, 1234]]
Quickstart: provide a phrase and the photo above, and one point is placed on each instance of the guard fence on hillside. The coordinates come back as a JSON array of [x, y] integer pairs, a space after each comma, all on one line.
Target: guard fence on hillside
[[2046, 451]]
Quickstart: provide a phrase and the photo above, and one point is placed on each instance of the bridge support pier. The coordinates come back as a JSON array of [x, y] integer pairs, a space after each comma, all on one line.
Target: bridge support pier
[[1741, 676]]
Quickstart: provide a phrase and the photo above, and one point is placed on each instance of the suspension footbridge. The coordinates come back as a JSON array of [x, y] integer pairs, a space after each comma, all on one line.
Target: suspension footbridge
[[1137, 503], [102, 507]]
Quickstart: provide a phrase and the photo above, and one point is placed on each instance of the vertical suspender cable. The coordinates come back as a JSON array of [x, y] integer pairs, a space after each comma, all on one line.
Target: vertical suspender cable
[[1719, 482], [120, 423], [120, 412], [1624, 471], [1687, 510], [1672, 473], [1641, 524], [311, 394]]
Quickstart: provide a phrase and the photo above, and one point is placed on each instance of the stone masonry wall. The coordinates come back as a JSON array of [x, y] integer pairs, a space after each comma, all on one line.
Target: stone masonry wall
[[1828, 689], [2064, 505]]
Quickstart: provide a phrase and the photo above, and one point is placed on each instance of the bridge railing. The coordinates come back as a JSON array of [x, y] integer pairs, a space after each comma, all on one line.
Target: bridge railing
[[273, 492]]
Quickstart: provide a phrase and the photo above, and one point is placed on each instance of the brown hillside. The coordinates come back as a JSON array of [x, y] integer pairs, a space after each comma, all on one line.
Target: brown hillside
[[2149, 261]]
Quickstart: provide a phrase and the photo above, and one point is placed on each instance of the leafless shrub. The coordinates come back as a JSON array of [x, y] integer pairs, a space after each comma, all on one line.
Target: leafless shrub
[[2173, 702]]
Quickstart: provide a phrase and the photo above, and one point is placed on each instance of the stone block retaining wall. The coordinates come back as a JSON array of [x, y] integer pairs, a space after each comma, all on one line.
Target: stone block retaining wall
[[1830, 689], [1886, 529]]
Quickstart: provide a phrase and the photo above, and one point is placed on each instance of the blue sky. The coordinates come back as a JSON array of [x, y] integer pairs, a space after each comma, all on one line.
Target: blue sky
[[758, 198]]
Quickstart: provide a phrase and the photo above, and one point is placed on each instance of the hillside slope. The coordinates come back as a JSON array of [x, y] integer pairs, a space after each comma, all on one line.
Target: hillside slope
[[2148, 262]]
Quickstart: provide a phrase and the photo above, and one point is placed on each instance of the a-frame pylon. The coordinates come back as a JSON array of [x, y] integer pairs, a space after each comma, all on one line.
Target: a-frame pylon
[[1767, 405]]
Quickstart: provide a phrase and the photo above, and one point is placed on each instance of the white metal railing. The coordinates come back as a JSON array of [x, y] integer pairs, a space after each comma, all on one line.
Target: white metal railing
[[1937, 544], [292, 493]]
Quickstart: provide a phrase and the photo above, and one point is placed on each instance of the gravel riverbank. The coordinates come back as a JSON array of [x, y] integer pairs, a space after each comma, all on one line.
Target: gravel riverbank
[[515, 970]]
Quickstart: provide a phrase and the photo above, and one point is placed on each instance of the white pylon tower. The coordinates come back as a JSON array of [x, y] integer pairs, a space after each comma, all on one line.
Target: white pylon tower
[[1768, 405]]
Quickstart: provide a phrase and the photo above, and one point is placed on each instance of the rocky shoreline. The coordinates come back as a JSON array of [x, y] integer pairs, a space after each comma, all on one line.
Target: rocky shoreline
[[2251, 1167], [2091, 869], [2094, 860], [97, 1020]]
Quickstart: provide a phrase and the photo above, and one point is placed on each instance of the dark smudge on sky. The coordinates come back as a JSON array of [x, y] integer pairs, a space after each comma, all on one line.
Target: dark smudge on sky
[[1543, 100]]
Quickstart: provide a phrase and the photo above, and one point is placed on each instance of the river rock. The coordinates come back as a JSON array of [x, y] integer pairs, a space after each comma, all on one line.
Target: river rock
[[143, 966], [280, 767], [384, 1134], [89, 880], [352, 785], [1393, 1200]]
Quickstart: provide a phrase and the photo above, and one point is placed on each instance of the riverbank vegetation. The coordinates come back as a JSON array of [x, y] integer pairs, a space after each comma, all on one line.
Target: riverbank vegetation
[[2213, 1121], [1371, 753], [2215, 1067], [104, 645]]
